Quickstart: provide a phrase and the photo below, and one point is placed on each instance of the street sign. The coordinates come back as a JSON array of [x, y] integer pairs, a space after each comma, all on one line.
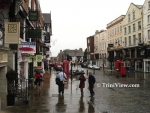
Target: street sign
[[39, 58]]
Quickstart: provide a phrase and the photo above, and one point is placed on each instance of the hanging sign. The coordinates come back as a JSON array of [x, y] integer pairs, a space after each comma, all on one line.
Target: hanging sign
[[39, 58], [12, 32], [28, 47]]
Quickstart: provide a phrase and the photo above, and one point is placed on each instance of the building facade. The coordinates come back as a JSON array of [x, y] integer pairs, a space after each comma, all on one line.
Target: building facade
[[146, 33], [114, 33], [90, 49], [133, 39]]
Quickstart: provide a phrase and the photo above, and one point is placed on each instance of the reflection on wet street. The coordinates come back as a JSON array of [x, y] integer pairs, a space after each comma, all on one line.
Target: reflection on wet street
[[51, 102], [106, 99]]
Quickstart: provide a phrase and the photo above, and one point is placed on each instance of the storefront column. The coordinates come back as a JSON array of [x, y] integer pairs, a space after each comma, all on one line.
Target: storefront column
[[26, 69]]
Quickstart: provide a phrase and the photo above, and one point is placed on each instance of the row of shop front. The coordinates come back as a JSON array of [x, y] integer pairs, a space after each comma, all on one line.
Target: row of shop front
[[133, 58]]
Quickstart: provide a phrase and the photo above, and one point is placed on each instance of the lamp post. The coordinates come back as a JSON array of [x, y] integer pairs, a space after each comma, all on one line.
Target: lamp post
[[93, 62]]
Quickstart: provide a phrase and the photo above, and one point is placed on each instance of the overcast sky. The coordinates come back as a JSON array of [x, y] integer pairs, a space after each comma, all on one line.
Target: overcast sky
[[75, 20]]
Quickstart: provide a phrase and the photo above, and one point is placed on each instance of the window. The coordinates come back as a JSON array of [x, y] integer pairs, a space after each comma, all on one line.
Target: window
[[148, 34], [120, 40], [139, 25], [128, 17], [134, 39], [139, 37], [148, 18], [129, 30], [125, 30], [133, 27], [117, 30], [129, 40], [133, 15], [149, 5], [125, 41], [120, 28]]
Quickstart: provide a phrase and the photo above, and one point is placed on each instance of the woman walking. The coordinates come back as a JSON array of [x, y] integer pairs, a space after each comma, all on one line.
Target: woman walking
[[82, 83]]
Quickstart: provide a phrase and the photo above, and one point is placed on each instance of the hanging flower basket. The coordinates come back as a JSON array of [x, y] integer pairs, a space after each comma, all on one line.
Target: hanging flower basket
[[11, 75]]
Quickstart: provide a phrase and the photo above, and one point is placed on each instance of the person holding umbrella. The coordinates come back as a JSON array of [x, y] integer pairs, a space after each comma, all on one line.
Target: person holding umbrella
[[38, 79]]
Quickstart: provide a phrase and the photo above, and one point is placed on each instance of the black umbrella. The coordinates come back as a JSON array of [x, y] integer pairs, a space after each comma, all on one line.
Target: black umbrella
[[79, 73], [38, 71]]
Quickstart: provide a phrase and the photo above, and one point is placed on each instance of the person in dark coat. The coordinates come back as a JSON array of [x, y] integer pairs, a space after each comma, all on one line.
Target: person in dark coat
[[91, 81], [82, 83]]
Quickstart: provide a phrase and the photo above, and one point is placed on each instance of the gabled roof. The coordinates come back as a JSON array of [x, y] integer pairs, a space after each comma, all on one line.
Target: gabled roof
[[138, 6], [47, 17]]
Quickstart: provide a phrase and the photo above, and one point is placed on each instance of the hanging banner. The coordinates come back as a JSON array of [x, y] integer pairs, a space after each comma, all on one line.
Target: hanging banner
[[28, 47], [46, 39], [12, 32]]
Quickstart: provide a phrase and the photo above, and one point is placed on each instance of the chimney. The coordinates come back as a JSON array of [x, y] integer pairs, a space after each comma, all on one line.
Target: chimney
[[80, 49], [96, 31]]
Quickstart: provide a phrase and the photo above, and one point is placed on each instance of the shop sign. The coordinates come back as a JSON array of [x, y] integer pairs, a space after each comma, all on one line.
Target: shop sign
[[39, 58], [33, 16], [34, 33], [46, 39], [12, 32], [28, 47]]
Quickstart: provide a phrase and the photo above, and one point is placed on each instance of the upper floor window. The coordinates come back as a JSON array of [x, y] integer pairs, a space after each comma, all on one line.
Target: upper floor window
[[129, 29], [128, 17], [148, 34], [129, 40], [134, 39], [139, 25], [133, 27], [133, 15], [148, 18], [125, 41], [125, 32], [149, 5], [120, 28], [139, 37]]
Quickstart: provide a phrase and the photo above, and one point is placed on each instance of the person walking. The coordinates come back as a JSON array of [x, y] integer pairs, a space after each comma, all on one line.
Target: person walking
[[91, 80], [37, 81], [82, 83], [62, 76]]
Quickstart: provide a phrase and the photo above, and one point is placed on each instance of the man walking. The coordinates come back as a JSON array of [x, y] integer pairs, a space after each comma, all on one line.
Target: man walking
[[91, 80], [62, 76]]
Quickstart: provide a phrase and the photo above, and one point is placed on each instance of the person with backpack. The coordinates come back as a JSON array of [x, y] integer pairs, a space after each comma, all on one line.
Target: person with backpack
[[62, 77], [91, 80]]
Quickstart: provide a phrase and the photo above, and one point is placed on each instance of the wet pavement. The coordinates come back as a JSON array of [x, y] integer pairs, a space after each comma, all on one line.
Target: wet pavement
[[110, 99], [51, 102]]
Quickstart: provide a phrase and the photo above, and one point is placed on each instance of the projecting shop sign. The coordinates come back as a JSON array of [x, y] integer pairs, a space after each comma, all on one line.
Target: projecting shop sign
[[12, 32]]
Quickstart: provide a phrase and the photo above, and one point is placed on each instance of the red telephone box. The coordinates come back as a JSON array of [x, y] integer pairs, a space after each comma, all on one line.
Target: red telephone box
[[120, 68], [66, 67]]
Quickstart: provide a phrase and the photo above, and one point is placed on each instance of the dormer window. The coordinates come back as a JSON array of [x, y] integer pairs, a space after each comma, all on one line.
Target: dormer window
[[128, 17]]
